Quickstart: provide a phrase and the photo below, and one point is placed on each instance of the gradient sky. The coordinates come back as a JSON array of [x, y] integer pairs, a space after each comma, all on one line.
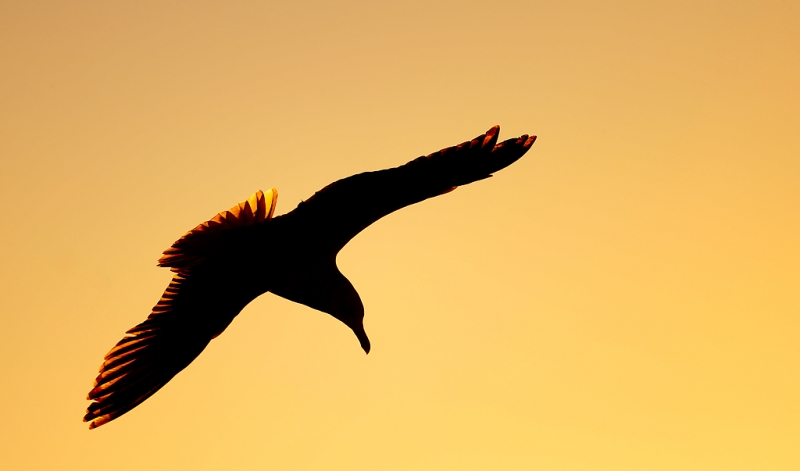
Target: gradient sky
[[625, 297]]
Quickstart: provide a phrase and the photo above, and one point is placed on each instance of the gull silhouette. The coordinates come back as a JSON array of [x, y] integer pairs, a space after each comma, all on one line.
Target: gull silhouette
[[224, 263]]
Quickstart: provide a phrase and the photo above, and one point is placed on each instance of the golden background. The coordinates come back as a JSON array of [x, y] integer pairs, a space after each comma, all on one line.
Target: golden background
[[625, 297]]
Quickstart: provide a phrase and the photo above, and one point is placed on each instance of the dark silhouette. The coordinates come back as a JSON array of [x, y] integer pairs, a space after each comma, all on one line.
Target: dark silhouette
[[223, 264]]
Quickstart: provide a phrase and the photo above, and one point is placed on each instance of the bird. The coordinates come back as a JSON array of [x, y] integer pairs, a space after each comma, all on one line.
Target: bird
[[226, 262]]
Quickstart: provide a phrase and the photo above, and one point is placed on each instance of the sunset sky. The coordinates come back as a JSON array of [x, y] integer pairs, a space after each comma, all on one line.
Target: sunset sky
[[625, 297]]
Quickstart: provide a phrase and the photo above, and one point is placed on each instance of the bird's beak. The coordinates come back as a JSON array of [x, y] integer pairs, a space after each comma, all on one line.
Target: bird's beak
[[362, 338]]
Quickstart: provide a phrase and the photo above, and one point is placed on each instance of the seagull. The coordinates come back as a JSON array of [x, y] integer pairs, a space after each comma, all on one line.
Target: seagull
[[226, 262]]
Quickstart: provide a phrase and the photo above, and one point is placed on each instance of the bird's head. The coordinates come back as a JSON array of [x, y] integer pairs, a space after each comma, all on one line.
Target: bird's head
[[327, 290]]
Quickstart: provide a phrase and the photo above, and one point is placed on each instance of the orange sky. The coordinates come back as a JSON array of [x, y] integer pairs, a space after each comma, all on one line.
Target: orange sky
[[625, 297]]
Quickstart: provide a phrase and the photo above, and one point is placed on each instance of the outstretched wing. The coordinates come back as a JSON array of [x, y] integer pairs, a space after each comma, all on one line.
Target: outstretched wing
[[204, 296], [344, 208], [196, 245], [196, 307]]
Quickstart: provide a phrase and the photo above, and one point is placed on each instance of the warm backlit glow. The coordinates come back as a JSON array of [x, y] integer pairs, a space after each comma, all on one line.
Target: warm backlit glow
[[622, 298]]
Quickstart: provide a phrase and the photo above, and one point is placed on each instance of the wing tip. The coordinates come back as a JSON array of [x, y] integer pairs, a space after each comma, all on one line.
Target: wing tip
[[97, 421], [491, 136], [272, 194], [528, 142]]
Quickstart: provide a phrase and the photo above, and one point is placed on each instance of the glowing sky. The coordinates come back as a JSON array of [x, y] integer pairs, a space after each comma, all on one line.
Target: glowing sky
[[625, 297]]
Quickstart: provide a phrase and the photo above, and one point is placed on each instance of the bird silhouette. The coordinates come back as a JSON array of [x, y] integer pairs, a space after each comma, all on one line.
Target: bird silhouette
[[224, 263]]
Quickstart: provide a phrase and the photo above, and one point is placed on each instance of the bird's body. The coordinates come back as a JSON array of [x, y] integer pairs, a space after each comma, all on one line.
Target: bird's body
[[223, 264]]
